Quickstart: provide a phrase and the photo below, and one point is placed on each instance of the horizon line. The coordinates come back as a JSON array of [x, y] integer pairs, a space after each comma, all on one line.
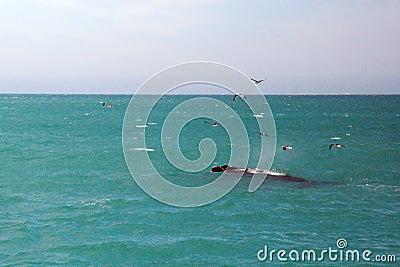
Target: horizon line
[[272, 94]]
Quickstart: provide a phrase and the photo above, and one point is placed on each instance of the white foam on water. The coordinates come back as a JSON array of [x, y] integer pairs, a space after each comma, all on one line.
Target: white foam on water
[[142, 149], [96, 202], [276, 173]]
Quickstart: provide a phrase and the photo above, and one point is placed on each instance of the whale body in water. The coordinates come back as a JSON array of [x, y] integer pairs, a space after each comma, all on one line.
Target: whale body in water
[[269, 174]]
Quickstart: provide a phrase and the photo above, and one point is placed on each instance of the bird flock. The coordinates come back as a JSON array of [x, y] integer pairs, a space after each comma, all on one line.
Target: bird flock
[[216, 123], [285, 147]]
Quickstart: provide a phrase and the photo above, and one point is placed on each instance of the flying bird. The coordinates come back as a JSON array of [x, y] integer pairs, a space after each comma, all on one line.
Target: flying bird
[[241, 95], [257, 81], [216, 123], [105, 104], [262, 134], [335, 145]]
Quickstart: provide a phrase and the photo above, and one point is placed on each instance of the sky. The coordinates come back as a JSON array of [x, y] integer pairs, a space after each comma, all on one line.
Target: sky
[[112, 47]]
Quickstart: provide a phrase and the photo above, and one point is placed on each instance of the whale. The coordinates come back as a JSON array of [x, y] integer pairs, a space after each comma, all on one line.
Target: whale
[[270, 175]]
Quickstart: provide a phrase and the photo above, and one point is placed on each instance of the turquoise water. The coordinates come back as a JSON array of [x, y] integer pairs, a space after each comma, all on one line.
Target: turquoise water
[[67, 197]]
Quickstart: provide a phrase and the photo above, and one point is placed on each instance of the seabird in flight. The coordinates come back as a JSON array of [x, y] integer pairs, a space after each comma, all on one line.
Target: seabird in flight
[[213, 124], [241, 95], [262, 134], [105, 104], [336, 145], [257, 81]]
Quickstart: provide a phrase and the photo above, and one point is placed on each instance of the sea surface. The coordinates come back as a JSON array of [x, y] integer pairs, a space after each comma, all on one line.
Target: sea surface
[[67, 197]]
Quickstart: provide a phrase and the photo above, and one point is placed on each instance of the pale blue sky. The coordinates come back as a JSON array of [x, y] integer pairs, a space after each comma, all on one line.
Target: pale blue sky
[[93, 46]]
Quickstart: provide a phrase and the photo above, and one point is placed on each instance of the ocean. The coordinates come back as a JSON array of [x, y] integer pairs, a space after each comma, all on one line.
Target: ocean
[[67, 197]]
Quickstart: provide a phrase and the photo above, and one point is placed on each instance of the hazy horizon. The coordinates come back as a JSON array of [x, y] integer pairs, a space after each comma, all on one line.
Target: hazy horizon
[[99, 47], [199, 93]]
